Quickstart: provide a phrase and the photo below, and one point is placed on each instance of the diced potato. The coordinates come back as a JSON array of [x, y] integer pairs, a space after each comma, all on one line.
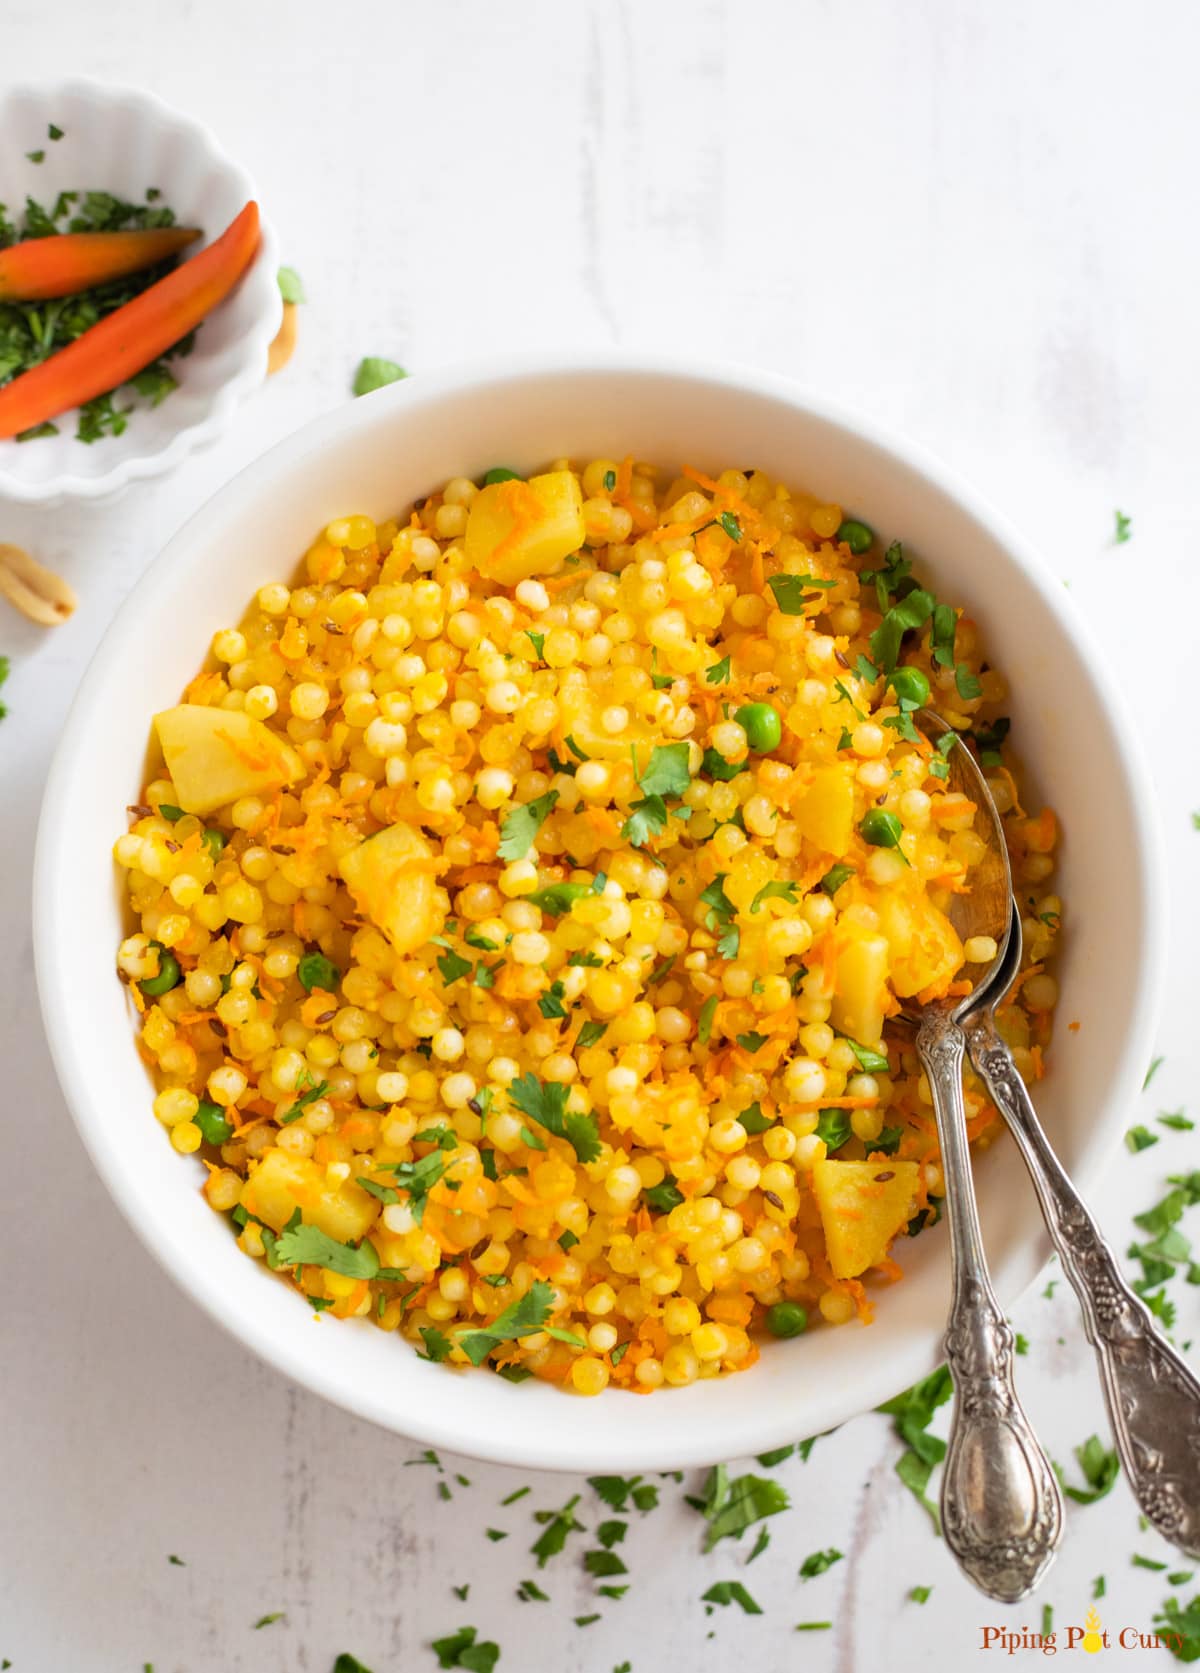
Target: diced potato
[[580, 711], [924, 946], [393, 882], [825, 813], [863, 1205], [860, 994], [216, 756], [516, 529], [281, 1184]]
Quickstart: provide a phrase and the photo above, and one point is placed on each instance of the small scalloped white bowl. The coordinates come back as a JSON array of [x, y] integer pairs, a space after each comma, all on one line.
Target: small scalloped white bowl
[[121, 140], [377, 455]]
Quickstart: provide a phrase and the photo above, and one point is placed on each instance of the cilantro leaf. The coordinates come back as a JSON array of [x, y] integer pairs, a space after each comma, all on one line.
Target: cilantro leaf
[[291, 286], [520, 1318], [667, 773], [776, 890], [453, 967], [753, 1120], [714, 765], [522, 825], [309, 1096], [460, 1649], [834, 1127], [437, 1346], [911, 1412], [537, 640], [309, 1246], [1123, 528], [664, 1196], [1100, 1467], [1140, 1138], [818, 1562], [731, 525], [834, 878], [870, 1062], [721, 909], [911, 612], [733, 1506], [375, 373], [418, 1179], [558, 898], [730, 1591], [589, 1034], [646, 819], [790, 590], [316, 971], [719, 672], [707, 1012], [546, 1103], [558, 1524]]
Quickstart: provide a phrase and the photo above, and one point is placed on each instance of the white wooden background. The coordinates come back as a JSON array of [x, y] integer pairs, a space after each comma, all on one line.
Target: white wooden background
[[976, 222]]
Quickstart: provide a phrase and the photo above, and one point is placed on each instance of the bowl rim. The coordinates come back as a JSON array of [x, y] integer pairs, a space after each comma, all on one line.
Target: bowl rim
[[694, 1445], [254, 342]]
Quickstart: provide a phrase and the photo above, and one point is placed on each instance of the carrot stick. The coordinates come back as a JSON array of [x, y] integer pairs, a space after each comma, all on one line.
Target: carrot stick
[[121, 344], [41, 268]]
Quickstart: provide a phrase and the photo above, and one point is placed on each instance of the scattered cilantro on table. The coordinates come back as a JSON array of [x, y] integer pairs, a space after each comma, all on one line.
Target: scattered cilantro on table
[[1100, 1467], [912, 1413], [375, 373]]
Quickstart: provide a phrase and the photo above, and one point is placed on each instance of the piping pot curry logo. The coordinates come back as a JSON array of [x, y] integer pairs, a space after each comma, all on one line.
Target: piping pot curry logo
[[1093, 1637]]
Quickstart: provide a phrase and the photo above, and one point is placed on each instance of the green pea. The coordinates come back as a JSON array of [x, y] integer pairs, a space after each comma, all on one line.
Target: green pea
[[212, 1122], [880, 829], [787, 1318], [316, 971], [500, 473], [911, 686], [168, 974], [214, 841], [761, 724], [857, 536]]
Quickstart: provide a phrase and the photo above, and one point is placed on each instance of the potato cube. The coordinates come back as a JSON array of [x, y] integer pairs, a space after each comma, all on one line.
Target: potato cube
[[825, 813], [216, 756], [516, 529], [863, 1206], [393, 881], [860, 996], [282, 1183]]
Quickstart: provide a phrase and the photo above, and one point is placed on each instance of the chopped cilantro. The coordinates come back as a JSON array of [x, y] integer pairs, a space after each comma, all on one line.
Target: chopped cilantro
[[291, 286], [530, 1592], [719, 672], [1140, 1138], [1176, 1121], [269, 1620], [911, 612], [551, 1002], [537, 640], [789, 591], [730, 1591], [869, 1061], [376, 373], [1156, 1064], [665, 1196], [316, 971], [707, 1011], [546, 1103], [453, 967], [912, 1412], [460, 1649], [834, 1127], [612, 1533], [920, 1594], [303, 1245], [601, 1564], [667, 773], [714, 765], [309, 1096], [522, 825], [753, 1120], [1123, 528], [731, 525], [779, 889], [834, 878], [1100, 1467], [589, 1034], [520, 1318], [418, 1179], [557, 1525], [730, 1507], [1147, 1562], [558, 898], [818, 1562]]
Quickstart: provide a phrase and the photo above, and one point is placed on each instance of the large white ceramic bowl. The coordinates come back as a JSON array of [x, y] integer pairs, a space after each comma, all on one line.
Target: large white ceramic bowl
[[120, 140], [378, 454]]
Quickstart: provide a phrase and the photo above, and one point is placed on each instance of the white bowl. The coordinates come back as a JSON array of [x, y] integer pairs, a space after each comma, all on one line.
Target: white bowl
[[376, 455], [119, 140]]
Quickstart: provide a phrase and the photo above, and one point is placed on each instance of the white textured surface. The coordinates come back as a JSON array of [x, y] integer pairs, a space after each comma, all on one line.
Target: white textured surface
[[970, 223]]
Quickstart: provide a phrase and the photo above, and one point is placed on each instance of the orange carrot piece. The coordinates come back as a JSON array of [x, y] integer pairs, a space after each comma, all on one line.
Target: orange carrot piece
[[41, 268], [124, 342]]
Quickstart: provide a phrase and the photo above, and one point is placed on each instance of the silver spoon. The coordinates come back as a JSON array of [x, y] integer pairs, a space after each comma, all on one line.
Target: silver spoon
[[1153, 1397], [1002, 1512]]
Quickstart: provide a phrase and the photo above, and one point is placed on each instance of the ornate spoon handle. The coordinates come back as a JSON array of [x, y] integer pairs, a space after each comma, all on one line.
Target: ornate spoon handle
[[1153, 1397], [1001, 1507]]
